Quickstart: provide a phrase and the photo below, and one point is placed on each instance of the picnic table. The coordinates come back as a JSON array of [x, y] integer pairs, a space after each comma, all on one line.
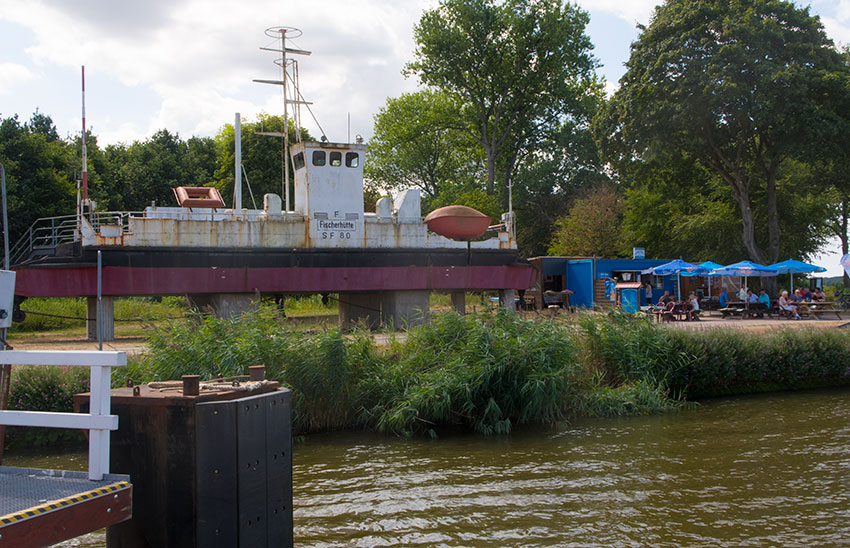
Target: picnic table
[[679, 311], [744, 309], [817, 308]]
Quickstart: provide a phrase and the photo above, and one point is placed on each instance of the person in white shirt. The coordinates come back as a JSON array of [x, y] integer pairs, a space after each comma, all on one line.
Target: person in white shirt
[[693, 309], [786, 304]]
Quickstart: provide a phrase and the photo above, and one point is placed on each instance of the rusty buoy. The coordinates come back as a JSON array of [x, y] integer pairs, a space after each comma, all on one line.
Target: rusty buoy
[[458, 222]]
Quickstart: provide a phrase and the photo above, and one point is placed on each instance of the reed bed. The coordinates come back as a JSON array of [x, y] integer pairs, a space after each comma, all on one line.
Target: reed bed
[[491, 373]]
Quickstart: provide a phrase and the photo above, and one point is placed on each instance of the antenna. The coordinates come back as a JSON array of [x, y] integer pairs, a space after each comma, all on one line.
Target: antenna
[[85, 163], [283, 33]]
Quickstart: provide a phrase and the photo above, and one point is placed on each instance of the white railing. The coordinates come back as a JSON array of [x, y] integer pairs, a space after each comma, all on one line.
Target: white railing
[[98, 421]]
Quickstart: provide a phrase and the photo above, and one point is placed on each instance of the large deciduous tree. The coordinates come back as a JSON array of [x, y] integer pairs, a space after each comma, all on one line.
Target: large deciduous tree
[[415, 143], [739, 86], [516, 67]]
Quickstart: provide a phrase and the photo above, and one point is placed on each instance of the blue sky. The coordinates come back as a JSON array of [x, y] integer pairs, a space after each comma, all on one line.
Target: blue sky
[[187, 65]]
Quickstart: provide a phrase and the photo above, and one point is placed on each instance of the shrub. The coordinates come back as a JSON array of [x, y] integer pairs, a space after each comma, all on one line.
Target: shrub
[[41, 388]]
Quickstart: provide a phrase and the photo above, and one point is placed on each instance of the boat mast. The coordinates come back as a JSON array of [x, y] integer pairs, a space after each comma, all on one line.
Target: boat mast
[[81, 205], [283, 33]]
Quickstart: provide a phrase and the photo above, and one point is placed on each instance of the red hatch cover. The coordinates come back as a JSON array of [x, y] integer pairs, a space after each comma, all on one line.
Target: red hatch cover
[[198, 196]]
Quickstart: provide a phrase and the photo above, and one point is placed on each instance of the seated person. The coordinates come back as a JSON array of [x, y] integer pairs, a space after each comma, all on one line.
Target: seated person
[[742, 294], [723, 299], [751, 301], [787, 304], [818, 295], [693, 307], [764, 302], [797, 297], [666, 298], [805, 295]]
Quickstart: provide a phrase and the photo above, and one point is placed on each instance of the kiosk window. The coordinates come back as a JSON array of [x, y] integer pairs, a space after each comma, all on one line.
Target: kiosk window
[[318, 157], [352, 159], [298, 160], [336, 159]]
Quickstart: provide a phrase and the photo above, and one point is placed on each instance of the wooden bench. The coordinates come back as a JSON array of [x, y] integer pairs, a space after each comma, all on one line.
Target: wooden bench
[[815, 309], [732, 311]]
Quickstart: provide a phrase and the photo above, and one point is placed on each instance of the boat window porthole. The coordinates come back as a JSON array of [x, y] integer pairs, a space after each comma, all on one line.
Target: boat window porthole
[[352, 159], [336, 159], [298, 161], [319, 157]]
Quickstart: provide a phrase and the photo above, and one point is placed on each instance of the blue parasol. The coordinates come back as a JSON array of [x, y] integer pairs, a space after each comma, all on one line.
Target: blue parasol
[[792, 267], [745, 269], [708, 266], [678, 267]]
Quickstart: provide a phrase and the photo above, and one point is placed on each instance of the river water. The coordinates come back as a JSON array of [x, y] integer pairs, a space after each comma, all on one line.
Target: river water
[[771, 470]]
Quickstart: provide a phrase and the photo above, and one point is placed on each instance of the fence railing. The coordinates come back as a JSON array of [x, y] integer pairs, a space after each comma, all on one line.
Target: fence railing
[[45, 234], [99, 422]]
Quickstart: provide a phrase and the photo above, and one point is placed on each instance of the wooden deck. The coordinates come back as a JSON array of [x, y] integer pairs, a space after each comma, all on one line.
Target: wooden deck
[[43, 507]]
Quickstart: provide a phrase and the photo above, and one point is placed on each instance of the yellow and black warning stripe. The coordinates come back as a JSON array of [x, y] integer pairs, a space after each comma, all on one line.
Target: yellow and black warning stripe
[[62, 503]]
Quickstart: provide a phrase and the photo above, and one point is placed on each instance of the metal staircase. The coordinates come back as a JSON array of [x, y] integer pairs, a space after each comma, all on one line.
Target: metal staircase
[[46, 234]]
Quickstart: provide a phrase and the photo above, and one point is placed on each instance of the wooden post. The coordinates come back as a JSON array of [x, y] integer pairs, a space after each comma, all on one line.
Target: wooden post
[[5, 379]]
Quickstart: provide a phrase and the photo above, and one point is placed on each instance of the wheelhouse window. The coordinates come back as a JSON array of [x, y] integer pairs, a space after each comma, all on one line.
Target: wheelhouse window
[[319, 157], [336, 159], [352, 159], [298, 161]]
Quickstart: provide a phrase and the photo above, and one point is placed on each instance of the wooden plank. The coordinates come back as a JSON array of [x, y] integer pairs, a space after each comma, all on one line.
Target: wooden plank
[[78, 518], [63, 357]]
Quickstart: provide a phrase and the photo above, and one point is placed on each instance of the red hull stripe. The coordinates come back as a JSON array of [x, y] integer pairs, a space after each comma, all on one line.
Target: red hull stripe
[[78, 281]]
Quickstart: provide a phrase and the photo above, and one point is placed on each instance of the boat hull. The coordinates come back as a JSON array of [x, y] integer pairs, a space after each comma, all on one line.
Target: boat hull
[[155, 271]]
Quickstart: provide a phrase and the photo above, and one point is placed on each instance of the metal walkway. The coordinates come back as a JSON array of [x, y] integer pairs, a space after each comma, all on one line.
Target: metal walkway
[[40, 507]]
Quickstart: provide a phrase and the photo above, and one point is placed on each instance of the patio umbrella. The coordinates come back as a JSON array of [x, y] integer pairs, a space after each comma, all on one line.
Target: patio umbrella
[[745, 269], [795, 267], [708, 266], [678, 267], [845, 263]]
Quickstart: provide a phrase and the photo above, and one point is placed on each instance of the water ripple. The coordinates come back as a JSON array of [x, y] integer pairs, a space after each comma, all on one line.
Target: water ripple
[[761, 471]]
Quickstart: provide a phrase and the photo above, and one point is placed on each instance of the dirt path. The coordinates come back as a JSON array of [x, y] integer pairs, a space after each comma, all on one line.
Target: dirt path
[[131, 345]]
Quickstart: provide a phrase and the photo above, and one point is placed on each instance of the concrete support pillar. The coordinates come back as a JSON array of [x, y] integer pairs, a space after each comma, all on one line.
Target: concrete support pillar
[[507, 299], [397, 309], [400, 309], [225, 305], [359, 308], [459, 302], [107, 321]]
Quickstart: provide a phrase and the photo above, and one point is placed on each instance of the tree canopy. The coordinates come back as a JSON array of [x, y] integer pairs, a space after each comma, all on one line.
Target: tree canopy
[[739, 87], [515, 67]]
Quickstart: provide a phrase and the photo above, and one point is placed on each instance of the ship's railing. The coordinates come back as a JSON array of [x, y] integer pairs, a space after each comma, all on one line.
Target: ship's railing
[[47, 233], [99, 422]]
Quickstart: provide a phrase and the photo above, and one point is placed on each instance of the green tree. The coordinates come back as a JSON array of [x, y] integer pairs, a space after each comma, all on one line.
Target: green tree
[[415, 144], [546, 182], [738, 86], [261, 158], [39, 172], [513, 66], [593, 226]]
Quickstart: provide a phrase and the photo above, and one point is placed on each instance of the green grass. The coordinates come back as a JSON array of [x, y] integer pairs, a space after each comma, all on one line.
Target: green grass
[[310, 305], [51, 314]]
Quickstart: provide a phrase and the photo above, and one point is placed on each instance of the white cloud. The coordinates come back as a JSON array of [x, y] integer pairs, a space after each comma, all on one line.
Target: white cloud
[[633, 11], [199, 56], [12, 75]]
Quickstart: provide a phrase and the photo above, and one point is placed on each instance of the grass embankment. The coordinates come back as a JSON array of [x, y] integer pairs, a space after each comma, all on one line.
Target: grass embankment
[[491, 373]]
